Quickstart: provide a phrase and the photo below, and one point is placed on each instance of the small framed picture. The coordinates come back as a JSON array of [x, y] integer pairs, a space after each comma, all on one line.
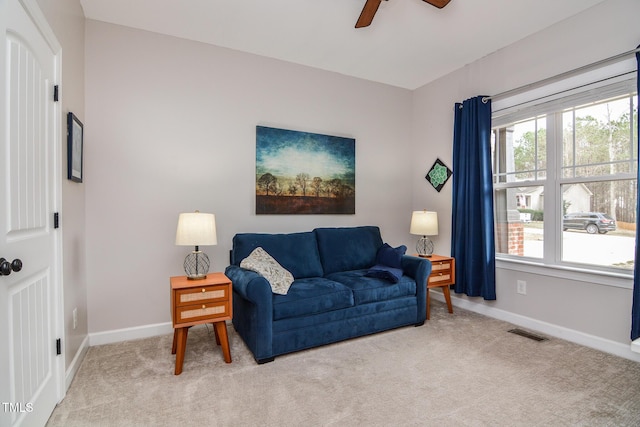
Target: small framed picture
[[74, 148], [438, 175]]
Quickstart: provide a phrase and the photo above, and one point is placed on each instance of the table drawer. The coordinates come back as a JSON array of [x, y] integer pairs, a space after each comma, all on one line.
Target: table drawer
[[440, 266], [440, 278], [204, 311], [202, 295]]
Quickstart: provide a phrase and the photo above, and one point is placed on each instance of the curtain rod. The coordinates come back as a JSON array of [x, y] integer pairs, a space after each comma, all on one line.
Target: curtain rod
[[561, 76]]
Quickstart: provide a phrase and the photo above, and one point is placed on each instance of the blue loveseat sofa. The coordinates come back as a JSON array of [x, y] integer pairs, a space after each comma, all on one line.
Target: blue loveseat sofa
[[331, 299]]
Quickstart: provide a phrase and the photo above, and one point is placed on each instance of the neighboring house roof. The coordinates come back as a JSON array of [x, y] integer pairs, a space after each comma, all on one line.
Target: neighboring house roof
[[531, 190], [584, 187], [565, 188]]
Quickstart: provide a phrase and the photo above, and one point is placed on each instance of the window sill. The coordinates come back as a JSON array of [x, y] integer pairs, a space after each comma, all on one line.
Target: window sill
[[618, 280]]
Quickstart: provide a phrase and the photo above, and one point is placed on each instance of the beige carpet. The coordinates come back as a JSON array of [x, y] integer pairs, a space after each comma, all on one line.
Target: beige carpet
[[462, 369]]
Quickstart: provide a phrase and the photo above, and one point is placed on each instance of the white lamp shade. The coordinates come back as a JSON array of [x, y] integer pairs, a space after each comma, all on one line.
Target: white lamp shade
[[196, 229], [424, 223]]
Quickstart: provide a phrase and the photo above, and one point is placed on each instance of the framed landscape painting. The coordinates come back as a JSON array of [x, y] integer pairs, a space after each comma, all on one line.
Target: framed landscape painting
[[304, 173]]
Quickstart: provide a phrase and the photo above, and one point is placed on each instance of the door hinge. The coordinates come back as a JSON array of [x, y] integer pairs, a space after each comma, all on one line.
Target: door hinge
[[58, 347], [56, 220], [56, 93]]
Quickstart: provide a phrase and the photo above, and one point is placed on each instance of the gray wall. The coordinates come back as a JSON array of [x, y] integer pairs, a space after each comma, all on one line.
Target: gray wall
[[171, 128]]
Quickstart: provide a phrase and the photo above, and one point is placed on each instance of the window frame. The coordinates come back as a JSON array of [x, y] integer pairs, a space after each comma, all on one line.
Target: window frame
[[514, 111]]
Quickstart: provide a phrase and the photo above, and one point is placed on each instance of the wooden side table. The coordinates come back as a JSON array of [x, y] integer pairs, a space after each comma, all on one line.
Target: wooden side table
[[443, 274], [194, 302]]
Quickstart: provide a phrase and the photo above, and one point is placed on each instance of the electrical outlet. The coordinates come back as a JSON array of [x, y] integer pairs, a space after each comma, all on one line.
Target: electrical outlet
[[522, 287], [75, 317]]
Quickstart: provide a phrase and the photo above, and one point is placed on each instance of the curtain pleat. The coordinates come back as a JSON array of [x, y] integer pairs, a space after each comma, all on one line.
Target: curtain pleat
[[472, 237], [635, 310]]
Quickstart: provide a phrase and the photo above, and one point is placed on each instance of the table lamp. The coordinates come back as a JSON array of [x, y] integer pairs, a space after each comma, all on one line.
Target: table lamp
[[425, 224], [196, 229]]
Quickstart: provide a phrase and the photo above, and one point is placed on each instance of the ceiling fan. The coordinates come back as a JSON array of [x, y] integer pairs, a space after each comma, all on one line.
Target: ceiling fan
[[371, 7]]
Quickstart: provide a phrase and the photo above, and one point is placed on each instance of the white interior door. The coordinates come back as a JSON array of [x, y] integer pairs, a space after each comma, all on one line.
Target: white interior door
[[31, 374]]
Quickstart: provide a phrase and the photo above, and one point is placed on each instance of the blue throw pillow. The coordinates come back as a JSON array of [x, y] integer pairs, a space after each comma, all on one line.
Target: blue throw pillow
[[391, 274], [388, 263], [391, 257]]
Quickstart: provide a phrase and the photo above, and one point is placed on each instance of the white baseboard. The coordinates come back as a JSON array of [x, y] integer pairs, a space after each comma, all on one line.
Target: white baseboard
[[75, 363], [587, 340], [635, 346], [126, 334]]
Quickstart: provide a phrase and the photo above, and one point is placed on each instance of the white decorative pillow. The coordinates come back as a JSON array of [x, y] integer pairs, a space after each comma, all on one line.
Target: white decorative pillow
[[262, 263]]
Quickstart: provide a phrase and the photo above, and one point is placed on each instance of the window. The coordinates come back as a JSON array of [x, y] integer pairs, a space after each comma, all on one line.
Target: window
[[565, 180]]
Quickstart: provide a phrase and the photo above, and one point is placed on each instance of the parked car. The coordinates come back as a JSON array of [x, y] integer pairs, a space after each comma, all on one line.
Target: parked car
[[592, 222]]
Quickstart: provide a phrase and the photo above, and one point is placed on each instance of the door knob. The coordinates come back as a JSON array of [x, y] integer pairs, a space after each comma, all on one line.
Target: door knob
[[7, 267]]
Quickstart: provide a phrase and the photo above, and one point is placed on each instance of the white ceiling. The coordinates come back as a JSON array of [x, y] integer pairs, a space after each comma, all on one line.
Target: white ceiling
[[409, 44]]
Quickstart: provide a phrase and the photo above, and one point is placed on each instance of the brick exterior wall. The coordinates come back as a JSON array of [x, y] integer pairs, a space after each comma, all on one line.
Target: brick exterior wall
[[510, 238]]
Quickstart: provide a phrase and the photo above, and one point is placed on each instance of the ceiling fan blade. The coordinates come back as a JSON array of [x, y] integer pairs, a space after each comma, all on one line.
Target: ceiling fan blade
[[438, 3], [368, 12]]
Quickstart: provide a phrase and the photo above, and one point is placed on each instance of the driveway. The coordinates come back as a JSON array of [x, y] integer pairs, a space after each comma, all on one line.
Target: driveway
[[581, 247]]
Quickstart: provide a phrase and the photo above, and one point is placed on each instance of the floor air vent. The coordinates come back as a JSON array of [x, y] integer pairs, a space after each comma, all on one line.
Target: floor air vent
[[527, 335]]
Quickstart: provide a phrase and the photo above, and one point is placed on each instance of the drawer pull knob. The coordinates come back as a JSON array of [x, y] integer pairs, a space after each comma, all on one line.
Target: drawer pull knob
[[440, 274], [203, 290], [204, 306]]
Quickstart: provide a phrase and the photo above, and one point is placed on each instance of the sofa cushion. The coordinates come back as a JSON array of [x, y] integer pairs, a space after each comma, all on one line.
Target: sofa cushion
[[372, 289], [262, 263], [311, 296], [348, 248], [296, 252]]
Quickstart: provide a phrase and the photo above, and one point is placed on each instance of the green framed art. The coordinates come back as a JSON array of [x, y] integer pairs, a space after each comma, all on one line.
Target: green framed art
[[438, 175]]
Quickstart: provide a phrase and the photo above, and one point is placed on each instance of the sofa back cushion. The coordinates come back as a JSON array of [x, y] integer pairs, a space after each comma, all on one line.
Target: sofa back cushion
[[296, 252], [348, 248]]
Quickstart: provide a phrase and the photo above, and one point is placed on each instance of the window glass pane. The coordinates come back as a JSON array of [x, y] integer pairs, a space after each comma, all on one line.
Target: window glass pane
[[519, 221], [568, 145], [520, 151], [599, 223], [634, 134], [541, 147], [524, 149], [597, 139]]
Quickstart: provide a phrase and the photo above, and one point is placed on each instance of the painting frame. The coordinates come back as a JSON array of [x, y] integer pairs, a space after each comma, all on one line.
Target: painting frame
[[301, 172], [75, 148]]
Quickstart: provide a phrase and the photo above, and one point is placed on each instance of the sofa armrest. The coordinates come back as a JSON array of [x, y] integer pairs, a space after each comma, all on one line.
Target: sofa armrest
[[249, 284], [252, 310], [419, 269]]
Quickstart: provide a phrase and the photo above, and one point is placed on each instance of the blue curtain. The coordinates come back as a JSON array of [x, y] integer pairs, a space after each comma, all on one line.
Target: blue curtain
[[472, 238], [635, 311]]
